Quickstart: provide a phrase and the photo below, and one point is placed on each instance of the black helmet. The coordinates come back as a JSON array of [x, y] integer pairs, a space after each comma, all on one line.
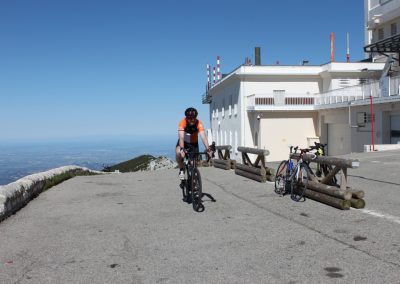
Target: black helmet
[[191, 112]]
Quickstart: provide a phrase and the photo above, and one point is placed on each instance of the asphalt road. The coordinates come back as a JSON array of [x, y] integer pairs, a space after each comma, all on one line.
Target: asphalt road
[[134, 228]]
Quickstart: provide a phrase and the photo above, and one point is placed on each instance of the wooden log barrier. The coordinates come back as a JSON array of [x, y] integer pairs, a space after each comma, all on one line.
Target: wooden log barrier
[[342, 163], [357, 203], [356, 193], [222, 164], [254, 170], [341, 191], [327, 199], [223, 161], [250, 175], [329, 190], [223, 152]]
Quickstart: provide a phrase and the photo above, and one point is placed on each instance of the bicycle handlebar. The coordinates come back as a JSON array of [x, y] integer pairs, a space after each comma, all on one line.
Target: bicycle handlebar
[[190, 153]]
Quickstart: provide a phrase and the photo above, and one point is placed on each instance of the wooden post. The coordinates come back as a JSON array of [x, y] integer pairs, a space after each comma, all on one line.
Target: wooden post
[[343, 178]]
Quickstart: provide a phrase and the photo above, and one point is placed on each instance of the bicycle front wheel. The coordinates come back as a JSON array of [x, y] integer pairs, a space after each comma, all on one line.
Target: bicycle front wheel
[[197, 190], [280, 177], [299, 183]]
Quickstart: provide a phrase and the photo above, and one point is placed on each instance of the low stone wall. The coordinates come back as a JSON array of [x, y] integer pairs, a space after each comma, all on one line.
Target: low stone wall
[[17, 194]]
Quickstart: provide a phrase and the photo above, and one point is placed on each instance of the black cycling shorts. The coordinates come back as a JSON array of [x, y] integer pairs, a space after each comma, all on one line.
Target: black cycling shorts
[[192, 147]]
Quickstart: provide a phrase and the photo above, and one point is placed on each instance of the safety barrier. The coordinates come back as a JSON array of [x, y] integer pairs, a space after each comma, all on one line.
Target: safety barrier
[[254, 170], [224, 160], [338, 195]]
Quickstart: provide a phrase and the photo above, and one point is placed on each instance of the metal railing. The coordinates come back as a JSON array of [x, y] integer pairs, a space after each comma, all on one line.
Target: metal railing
[[376, 89]]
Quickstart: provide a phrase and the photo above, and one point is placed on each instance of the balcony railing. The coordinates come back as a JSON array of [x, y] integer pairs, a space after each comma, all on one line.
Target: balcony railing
[[380, 90], [280, 102]]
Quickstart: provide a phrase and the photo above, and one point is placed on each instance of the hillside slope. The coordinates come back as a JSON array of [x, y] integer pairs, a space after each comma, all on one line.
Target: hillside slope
[[142, 163]]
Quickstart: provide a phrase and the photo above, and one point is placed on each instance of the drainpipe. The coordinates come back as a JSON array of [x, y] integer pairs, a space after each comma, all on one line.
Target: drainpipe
[[372, 123]]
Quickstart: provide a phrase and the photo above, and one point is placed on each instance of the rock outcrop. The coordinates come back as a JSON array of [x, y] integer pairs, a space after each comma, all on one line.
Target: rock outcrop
[[161, 163]]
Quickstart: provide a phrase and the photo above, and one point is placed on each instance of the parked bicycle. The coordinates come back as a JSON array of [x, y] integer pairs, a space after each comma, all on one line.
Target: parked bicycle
[[292, 175], [191, 186], [323, 169]]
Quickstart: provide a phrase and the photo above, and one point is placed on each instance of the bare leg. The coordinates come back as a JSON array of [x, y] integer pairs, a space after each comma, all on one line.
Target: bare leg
[[179, 159]]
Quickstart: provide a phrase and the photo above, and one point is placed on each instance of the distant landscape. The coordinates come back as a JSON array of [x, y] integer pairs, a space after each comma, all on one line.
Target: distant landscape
[[24, 158]]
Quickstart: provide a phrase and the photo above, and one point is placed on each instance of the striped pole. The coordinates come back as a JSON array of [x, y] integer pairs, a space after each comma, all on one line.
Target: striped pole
[[348, 49], [208, 77], [332, 48], [218, 69], [214, 75]]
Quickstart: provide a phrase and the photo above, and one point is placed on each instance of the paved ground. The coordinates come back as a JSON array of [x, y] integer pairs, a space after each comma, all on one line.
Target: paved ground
[[134, 228]]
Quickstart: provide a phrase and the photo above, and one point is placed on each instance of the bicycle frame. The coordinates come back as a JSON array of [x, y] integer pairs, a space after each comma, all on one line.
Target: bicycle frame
[[296, 176], [192, 183]]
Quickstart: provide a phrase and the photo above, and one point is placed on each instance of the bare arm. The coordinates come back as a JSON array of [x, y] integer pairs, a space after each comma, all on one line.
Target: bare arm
[[181, 135], [204, 139]]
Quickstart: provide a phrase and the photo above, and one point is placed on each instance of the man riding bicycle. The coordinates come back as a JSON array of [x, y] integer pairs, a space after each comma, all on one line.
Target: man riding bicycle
[[188, 130]]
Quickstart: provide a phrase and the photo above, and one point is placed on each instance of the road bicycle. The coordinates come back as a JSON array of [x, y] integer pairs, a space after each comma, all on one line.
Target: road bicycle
[[191, 185], [292, 175], [323, 169]]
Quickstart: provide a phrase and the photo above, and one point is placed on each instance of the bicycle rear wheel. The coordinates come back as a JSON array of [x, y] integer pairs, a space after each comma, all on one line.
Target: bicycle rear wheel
[[197, 190], [326, 170], [299, 184], [280, 177]]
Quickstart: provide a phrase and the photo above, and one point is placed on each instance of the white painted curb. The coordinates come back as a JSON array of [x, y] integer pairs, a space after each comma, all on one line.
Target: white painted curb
[[17, 194]]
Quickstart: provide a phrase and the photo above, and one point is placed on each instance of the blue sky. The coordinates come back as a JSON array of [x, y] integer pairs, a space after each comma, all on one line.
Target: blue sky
[[82, 68]]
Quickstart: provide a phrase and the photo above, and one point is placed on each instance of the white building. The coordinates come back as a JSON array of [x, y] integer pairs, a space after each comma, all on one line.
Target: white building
[[272, 107], [382, 29]]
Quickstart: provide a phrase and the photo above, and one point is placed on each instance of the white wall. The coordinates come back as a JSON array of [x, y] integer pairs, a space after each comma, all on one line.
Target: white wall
[[222, 122], [360, 136]]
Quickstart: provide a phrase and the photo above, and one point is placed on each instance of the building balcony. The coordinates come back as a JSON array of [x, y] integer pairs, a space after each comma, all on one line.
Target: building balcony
[[280, 102], [381, 91]]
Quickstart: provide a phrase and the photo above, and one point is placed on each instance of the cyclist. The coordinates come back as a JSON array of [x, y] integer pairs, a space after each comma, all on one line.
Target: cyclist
[[188, 130]]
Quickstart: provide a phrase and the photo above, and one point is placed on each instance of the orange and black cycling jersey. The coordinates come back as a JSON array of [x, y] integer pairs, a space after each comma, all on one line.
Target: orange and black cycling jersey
[[191, 131]]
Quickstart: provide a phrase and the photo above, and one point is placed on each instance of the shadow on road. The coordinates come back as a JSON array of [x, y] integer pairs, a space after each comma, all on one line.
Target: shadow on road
[[382, 181]]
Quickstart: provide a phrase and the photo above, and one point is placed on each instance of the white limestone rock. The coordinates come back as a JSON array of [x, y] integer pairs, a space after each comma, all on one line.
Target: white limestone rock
[[161, 163]]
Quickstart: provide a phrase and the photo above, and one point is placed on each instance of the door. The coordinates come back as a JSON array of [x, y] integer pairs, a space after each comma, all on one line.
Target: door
[[394, 129], [339, 139]]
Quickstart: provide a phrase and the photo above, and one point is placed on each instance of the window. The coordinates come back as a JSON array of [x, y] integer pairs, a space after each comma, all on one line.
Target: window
[[393, 29], [380, 34]]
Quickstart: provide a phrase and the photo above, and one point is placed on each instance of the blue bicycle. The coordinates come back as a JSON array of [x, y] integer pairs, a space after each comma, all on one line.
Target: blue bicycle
[[292, 175]]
